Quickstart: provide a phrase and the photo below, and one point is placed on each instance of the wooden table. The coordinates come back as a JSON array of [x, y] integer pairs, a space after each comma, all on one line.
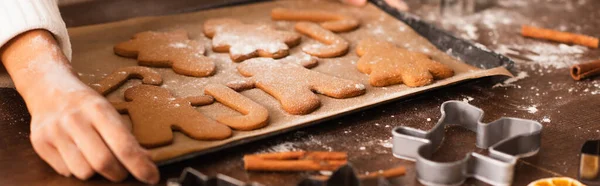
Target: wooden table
[[567, 109]]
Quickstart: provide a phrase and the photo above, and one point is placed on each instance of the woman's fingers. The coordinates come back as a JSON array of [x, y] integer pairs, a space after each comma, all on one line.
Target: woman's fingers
[[122, 143], [74, 160], [97, 154], [69, 152], [83, 142], [48, 152]]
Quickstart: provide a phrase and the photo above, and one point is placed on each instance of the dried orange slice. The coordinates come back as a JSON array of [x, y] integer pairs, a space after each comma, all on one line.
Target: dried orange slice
[[556, 181]]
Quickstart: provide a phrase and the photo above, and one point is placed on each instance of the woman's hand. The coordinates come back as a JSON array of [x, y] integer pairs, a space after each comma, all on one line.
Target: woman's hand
[[80, 133], [73, 128]]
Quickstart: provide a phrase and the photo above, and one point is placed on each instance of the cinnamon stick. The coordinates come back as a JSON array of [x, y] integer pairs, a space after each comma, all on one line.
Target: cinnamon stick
[[558, 36], [389, 173], [253, 163], [295, 161], [585, 70], [326, 156], [279, 155]]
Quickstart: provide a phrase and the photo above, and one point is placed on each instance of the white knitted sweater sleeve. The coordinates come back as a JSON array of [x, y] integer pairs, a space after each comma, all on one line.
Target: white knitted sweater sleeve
[[18, 16]]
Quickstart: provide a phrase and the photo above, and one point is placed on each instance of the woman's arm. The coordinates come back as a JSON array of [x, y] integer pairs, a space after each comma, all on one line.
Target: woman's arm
[[73, 128]]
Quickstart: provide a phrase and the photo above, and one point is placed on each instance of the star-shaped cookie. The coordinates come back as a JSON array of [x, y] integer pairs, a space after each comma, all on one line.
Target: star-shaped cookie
[[245, 41]]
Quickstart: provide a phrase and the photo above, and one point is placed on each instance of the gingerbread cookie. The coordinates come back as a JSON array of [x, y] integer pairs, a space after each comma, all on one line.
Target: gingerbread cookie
[[330, 21], [335, 45], [121, 75], [154, 113], [387, 64], [245, 41], [300, 58], [254, 115], [294, 85], [168, 49]]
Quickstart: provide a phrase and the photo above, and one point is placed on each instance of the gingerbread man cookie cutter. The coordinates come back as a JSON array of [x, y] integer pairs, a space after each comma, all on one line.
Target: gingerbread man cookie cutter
[[507, 140]]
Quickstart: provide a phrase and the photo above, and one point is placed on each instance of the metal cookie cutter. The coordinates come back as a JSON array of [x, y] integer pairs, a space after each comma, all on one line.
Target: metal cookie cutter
[[508, 139]]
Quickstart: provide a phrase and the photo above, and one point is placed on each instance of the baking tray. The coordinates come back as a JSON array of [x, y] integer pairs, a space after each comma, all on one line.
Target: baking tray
[[465, 51], [443, 40]]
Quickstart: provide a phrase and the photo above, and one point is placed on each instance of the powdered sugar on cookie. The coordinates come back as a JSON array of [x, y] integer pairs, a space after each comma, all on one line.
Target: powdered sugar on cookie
[[334, 45], [245, 41], [168, 49], [293, 85], [387, 65], [154, 113]]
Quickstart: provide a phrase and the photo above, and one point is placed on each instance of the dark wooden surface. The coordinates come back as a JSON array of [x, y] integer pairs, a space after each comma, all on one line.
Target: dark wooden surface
[[567, 109]]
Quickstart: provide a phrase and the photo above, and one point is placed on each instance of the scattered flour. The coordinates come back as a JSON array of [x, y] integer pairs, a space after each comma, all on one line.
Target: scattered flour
[[313, 140], [489, 24], [532, 109], [386, 143], [282, 147], [482, 47], [466, 99], [472, 27], [546, 55], [449, 51], [378, 30], [178, 45], [359, 86], [521, 75], [50, 61], [506, 50], [471, 32], [512, 3], [509, 82], [546, 119]]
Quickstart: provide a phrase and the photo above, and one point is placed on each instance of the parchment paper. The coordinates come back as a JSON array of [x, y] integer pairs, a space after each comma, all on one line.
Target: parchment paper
[[93, 59]]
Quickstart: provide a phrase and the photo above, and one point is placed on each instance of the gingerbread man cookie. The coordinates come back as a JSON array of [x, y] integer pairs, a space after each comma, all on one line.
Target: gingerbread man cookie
[[168, 49], [294, 85], [330, 21], [154, 113], [121, 75], [254, 115], [245, 41], [335, 45], [387, 64]]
